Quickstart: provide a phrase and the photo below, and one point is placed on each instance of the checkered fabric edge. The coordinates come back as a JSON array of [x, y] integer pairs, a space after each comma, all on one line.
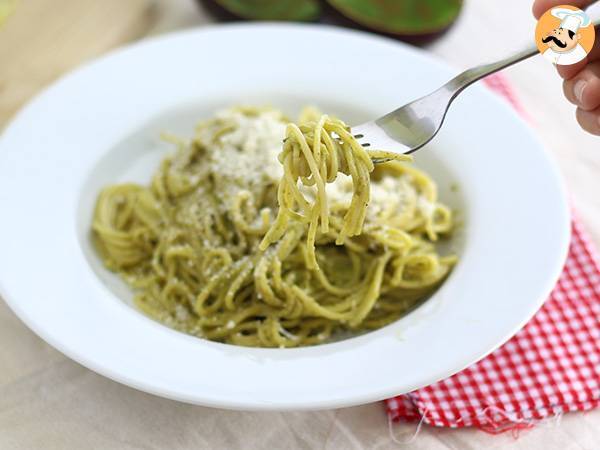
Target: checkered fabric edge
[[549, 367]]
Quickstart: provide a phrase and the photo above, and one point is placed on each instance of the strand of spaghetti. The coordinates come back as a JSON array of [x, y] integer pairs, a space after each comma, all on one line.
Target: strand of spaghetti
[[319, 207]]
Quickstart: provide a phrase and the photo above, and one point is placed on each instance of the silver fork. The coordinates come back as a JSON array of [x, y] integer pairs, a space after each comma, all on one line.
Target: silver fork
[[410, 127]]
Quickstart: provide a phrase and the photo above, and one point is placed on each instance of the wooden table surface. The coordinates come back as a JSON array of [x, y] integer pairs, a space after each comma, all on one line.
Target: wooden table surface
[[48, 401]]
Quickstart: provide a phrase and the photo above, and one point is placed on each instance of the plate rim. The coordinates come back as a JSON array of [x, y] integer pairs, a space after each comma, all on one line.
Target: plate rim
[[371, 395]]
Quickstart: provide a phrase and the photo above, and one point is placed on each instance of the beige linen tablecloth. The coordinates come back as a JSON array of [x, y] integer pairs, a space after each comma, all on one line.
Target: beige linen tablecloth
[[50, 402]]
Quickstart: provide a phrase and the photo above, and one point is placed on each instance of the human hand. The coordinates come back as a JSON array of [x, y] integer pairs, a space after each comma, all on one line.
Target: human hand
[[581, 83]]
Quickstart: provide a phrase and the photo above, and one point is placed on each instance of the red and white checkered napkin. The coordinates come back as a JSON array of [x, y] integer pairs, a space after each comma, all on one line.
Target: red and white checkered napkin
[[550, 367]]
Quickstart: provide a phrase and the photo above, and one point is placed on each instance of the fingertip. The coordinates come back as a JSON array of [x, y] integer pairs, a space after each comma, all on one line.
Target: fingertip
[[583, 90], [537, 10], [539, 7], [589, 120], [568, 72]]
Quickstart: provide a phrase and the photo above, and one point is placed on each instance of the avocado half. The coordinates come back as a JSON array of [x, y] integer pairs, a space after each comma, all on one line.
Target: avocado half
[[402, 18]]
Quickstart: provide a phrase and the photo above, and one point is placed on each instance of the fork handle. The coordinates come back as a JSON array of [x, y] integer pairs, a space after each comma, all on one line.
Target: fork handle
[[468, 77]]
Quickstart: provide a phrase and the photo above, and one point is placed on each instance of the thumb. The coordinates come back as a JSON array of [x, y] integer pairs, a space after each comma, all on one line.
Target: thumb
[[541, 6]]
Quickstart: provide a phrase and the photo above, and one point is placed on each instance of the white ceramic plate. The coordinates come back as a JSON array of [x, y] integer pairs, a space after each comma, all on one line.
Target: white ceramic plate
[[100, 124]]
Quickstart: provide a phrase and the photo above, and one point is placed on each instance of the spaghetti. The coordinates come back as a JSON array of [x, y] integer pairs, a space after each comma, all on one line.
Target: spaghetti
[[230, 245]]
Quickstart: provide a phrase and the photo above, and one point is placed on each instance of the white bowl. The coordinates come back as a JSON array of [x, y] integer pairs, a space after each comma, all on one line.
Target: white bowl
[[100, 124]]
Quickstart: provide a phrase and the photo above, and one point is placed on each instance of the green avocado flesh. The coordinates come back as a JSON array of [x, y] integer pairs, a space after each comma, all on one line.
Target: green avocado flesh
[[402, 17]]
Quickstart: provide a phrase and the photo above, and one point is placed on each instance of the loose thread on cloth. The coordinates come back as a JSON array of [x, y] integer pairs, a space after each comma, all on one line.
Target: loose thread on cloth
[[503, 421], [412, 437]]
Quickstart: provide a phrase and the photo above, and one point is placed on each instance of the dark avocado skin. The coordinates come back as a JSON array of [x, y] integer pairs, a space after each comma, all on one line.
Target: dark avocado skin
[[217, 9]]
